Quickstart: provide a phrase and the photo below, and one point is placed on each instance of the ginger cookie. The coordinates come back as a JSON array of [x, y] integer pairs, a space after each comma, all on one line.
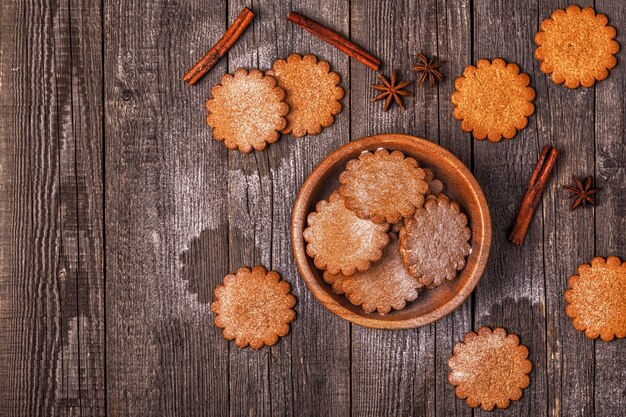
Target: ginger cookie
[[254, 307], [490, 368], [313, 93], [383, 186], [247, 110], [493, 99], [434, 242], [596, 299], [576, 46], [384, 286], [339, 241]]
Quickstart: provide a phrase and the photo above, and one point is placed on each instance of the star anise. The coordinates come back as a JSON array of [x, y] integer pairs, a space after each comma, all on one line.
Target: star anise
[[583, 193], [428, 68], [391, 90]]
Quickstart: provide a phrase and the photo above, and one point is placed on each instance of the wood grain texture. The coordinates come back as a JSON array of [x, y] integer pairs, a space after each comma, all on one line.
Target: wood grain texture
[[109, 174], [565, 119], [454, 44], [511, 293], [391, 375], [610, 218], [52, 293], [166, 218]]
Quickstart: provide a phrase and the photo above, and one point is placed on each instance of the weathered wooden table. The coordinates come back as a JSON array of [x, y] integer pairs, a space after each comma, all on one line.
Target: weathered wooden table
[[119, 213]]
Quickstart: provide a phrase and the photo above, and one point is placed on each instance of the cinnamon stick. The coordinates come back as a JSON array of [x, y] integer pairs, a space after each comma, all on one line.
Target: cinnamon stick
[[220, 48], [532, 197], [333, 38]]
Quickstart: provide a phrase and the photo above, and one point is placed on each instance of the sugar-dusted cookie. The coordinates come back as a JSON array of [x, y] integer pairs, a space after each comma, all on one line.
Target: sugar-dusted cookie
[[254, 307], [247, 110], [313, 93], [493, 99], [339, 241], [383, 186], [576, 46], [596, 299], [490, 368], [384, 286], [434, 242], [335, 281]]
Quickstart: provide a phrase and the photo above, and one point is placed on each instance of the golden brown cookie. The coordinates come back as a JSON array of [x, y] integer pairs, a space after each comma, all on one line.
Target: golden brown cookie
[[383, 186], [489, 368], [434, 242], [247, 110], [493, 99], [339, 241], [597, 299], [576, 46], [384, 286], [254, 307], [313, 93]]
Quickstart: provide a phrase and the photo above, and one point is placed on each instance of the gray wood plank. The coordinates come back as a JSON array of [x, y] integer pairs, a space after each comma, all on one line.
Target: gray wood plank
[[51, 284], [166, 217], [454, 44], [564, 120], [393, 373], [610, 217], [313, 361], [511, 293]]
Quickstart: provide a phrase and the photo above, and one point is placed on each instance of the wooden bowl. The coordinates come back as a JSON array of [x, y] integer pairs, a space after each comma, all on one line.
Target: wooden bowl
[[460, 185]]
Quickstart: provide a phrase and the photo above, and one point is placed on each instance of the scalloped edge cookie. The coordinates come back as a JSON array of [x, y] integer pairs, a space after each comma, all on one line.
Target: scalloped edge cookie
[[383, 186], [496, 83], [247, 110], [568, 68], [340, 241], [596, 299], [386, 285], [254, 307], [313, 93], [505, 360], [429, 256]]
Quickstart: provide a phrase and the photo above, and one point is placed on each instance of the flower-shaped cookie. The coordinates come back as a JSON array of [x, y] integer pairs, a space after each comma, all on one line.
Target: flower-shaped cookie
[[493, 99], [576, 46], [434, 242], [597, 299], [313, 93], [339, 241], [247, 110], [385, 285], [383, 186], [489, 368], [254, 307]]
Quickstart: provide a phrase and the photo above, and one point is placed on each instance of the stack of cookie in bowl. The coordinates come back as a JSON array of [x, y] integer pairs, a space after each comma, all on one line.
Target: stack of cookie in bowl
[[387, 233]]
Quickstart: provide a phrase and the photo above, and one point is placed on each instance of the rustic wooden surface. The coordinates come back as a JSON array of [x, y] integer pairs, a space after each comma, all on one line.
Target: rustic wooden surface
[[119, 213]]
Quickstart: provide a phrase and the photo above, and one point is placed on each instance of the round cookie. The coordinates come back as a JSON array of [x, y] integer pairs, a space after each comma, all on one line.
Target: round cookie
[[384, 286], [247, 110], [596, 299], [383, 186], [254, 307], [313, 93], [489, 369], [339, 241], [493, 99], [434, 242], [576, 47]]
